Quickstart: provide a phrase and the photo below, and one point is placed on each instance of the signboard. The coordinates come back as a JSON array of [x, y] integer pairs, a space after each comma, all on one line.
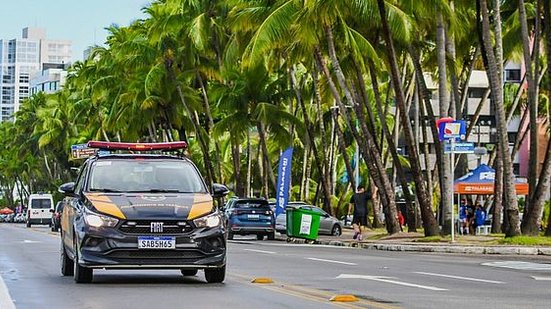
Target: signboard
[[81, 151], [459, 148], [452, 130], [283, 180]]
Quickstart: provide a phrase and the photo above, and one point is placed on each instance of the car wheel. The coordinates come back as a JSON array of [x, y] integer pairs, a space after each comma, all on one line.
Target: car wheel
[[81, 274], [215, 275], [67, 266], [271, 236], [259, 237], [28, 223], [188, 272], [336, 231], [230, 235]]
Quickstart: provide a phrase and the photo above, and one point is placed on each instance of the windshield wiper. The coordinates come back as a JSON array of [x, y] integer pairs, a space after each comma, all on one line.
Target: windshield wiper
[[164, 191], [104, 190]]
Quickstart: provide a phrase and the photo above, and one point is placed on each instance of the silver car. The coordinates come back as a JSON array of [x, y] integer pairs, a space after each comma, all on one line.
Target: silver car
[[329, 225]]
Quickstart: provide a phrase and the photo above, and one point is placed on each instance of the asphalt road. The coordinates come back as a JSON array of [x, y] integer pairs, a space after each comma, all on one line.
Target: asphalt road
[[304, 276]]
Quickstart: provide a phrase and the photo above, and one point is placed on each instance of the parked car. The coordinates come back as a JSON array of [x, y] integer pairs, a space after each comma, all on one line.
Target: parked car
[[19, 218], [56, 216], [329, 225], [39, 209], [247, 216]]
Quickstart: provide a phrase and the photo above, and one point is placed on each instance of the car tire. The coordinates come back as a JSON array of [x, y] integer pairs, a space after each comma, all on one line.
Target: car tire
[[271, 236], [336, 230], [215, 275], [259, 237], [28, 223], [230, 235], [67, 265], [188, 272], [81, 274]]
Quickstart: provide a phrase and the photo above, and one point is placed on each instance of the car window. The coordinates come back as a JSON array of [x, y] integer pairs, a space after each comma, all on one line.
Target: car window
[[145, 175], [59, 207], [41, 203], [80, 180], [250, 204]]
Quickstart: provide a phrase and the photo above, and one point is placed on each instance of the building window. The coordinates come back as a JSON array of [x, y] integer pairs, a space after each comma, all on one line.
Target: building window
[[512, 75], [476, 93]]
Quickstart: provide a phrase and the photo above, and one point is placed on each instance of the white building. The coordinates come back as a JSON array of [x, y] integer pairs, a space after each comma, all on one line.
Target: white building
[[22, 58], [48, 81]]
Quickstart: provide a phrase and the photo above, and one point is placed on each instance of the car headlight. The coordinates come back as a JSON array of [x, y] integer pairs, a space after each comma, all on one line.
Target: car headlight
[[97, 220], [212, 220]]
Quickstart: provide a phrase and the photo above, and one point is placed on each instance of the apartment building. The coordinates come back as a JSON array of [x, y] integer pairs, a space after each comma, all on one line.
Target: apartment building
[[20, 59]]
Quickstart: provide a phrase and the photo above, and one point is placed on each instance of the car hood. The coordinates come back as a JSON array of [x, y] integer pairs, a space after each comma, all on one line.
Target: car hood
[[141, 206]]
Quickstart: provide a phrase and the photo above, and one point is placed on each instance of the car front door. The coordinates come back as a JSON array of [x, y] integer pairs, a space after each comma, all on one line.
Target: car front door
[[71, 210]]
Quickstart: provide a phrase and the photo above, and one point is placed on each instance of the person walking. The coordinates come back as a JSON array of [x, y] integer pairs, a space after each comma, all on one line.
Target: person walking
[[359, 218]]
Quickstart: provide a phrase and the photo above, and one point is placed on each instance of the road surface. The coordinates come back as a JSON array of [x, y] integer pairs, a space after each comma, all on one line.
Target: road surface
[[305, 276]]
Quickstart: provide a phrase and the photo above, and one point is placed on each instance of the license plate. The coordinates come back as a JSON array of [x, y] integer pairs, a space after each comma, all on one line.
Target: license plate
[[156, 242], [253, 216]]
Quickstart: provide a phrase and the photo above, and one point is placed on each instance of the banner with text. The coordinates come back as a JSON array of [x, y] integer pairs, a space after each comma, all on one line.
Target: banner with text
[[283, 180]]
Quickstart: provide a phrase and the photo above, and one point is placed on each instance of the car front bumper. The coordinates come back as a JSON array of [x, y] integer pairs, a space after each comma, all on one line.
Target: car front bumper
[[110, 248]]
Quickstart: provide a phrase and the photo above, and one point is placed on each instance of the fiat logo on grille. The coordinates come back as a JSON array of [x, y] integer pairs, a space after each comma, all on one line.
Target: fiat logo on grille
[[156, 227]]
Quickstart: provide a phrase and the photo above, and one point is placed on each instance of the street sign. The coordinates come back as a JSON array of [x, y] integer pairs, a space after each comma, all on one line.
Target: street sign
[[459, 148], [81, 151], [452, 130]]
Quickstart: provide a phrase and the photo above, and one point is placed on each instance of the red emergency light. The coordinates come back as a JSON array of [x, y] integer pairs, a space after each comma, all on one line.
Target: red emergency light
[[137, 146]]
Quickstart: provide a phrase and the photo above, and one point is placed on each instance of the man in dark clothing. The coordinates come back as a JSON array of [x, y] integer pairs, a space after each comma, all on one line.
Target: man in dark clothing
[[359, 219]]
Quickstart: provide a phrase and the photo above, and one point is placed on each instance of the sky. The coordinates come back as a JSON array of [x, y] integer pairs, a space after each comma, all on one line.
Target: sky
[[81, 21]]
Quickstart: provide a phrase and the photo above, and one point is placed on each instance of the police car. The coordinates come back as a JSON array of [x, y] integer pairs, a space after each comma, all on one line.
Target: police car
[[141, 210]]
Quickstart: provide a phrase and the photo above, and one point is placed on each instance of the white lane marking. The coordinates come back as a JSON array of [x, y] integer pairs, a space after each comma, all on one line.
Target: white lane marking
[[388, 280], [519, 265], [458, 277], [26, 241], [260, 251], [331, 261], [541, 278], [5, 299]]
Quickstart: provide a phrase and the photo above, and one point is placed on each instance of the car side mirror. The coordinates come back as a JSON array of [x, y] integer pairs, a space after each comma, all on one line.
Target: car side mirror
[[219, 190], [68, 189]]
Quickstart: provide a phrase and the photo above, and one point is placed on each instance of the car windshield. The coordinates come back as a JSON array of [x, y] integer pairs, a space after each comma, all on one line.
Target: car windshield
[[145, 175], [251, 204], [41, 203]]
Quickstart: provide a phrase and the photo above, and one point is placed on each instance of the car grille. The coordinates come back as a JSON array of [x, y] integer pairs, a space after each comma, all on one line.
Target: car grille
[[156, 254], [143, 227]]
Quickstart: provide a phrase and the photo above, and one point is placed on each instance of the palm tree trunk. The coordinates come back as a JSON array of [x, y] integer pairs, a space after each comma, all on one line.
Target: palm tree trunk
[[410, 215], [532, 97], [249, 165], [206, 106], [429, 222], [446, 174], [342, 148], [196, 125], [510, 200], [391, 214], [304, 179], [312, 143], [266, 156], [236, 160], [498, 195]]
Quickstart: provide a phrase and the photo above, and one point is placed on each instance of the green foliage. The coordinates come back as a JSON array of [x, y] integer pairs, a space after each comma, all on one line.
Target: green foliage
[[526, 241]]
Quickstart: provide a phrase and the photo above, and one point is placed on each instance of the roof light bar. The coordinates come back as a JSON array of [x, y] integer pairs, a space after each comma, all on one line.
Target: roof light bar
[[137, 146]]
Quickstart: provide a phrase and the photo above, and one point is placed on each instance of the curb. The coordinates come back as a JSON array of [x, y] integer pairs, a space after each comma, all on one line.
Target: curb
[[491, 250]]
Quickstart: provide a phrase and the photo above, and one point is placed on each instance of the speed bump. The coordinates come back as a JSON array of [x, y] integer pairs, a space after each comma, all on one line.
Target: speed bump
[[344, 298], [262, 280]]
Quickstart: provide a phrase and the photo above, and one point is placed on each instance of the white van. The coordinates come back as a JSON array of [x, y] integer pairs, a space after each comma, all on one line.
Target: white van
[[39, 209]]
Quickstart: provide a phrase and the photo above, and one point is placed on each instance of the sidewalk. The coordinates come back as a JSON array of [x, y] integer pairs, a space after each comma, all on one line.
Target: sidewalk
[[404, 241]]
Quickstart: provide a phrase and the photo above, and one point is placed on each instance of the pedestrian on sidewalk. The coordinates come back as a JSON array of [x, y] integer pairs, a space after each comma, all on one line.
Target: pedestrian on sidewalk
[[479, 217], [463, 211], [359, 218]]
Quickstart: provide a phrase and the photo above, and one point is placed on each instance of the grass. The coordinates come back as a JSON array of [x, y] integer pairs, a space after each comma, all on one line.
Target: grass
[[433, 239], [526, 241]]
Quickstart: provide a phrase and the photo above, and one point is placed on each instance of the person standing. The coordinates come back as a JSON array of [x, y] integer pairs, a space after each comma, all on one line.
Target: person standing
[[359, 218], [463, 211]]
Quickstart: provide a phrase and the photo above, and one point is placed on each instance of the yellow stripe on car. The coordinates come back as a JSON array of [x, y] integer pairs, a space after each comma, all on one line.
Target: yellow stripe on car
[[202, 205], [104, 205]]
